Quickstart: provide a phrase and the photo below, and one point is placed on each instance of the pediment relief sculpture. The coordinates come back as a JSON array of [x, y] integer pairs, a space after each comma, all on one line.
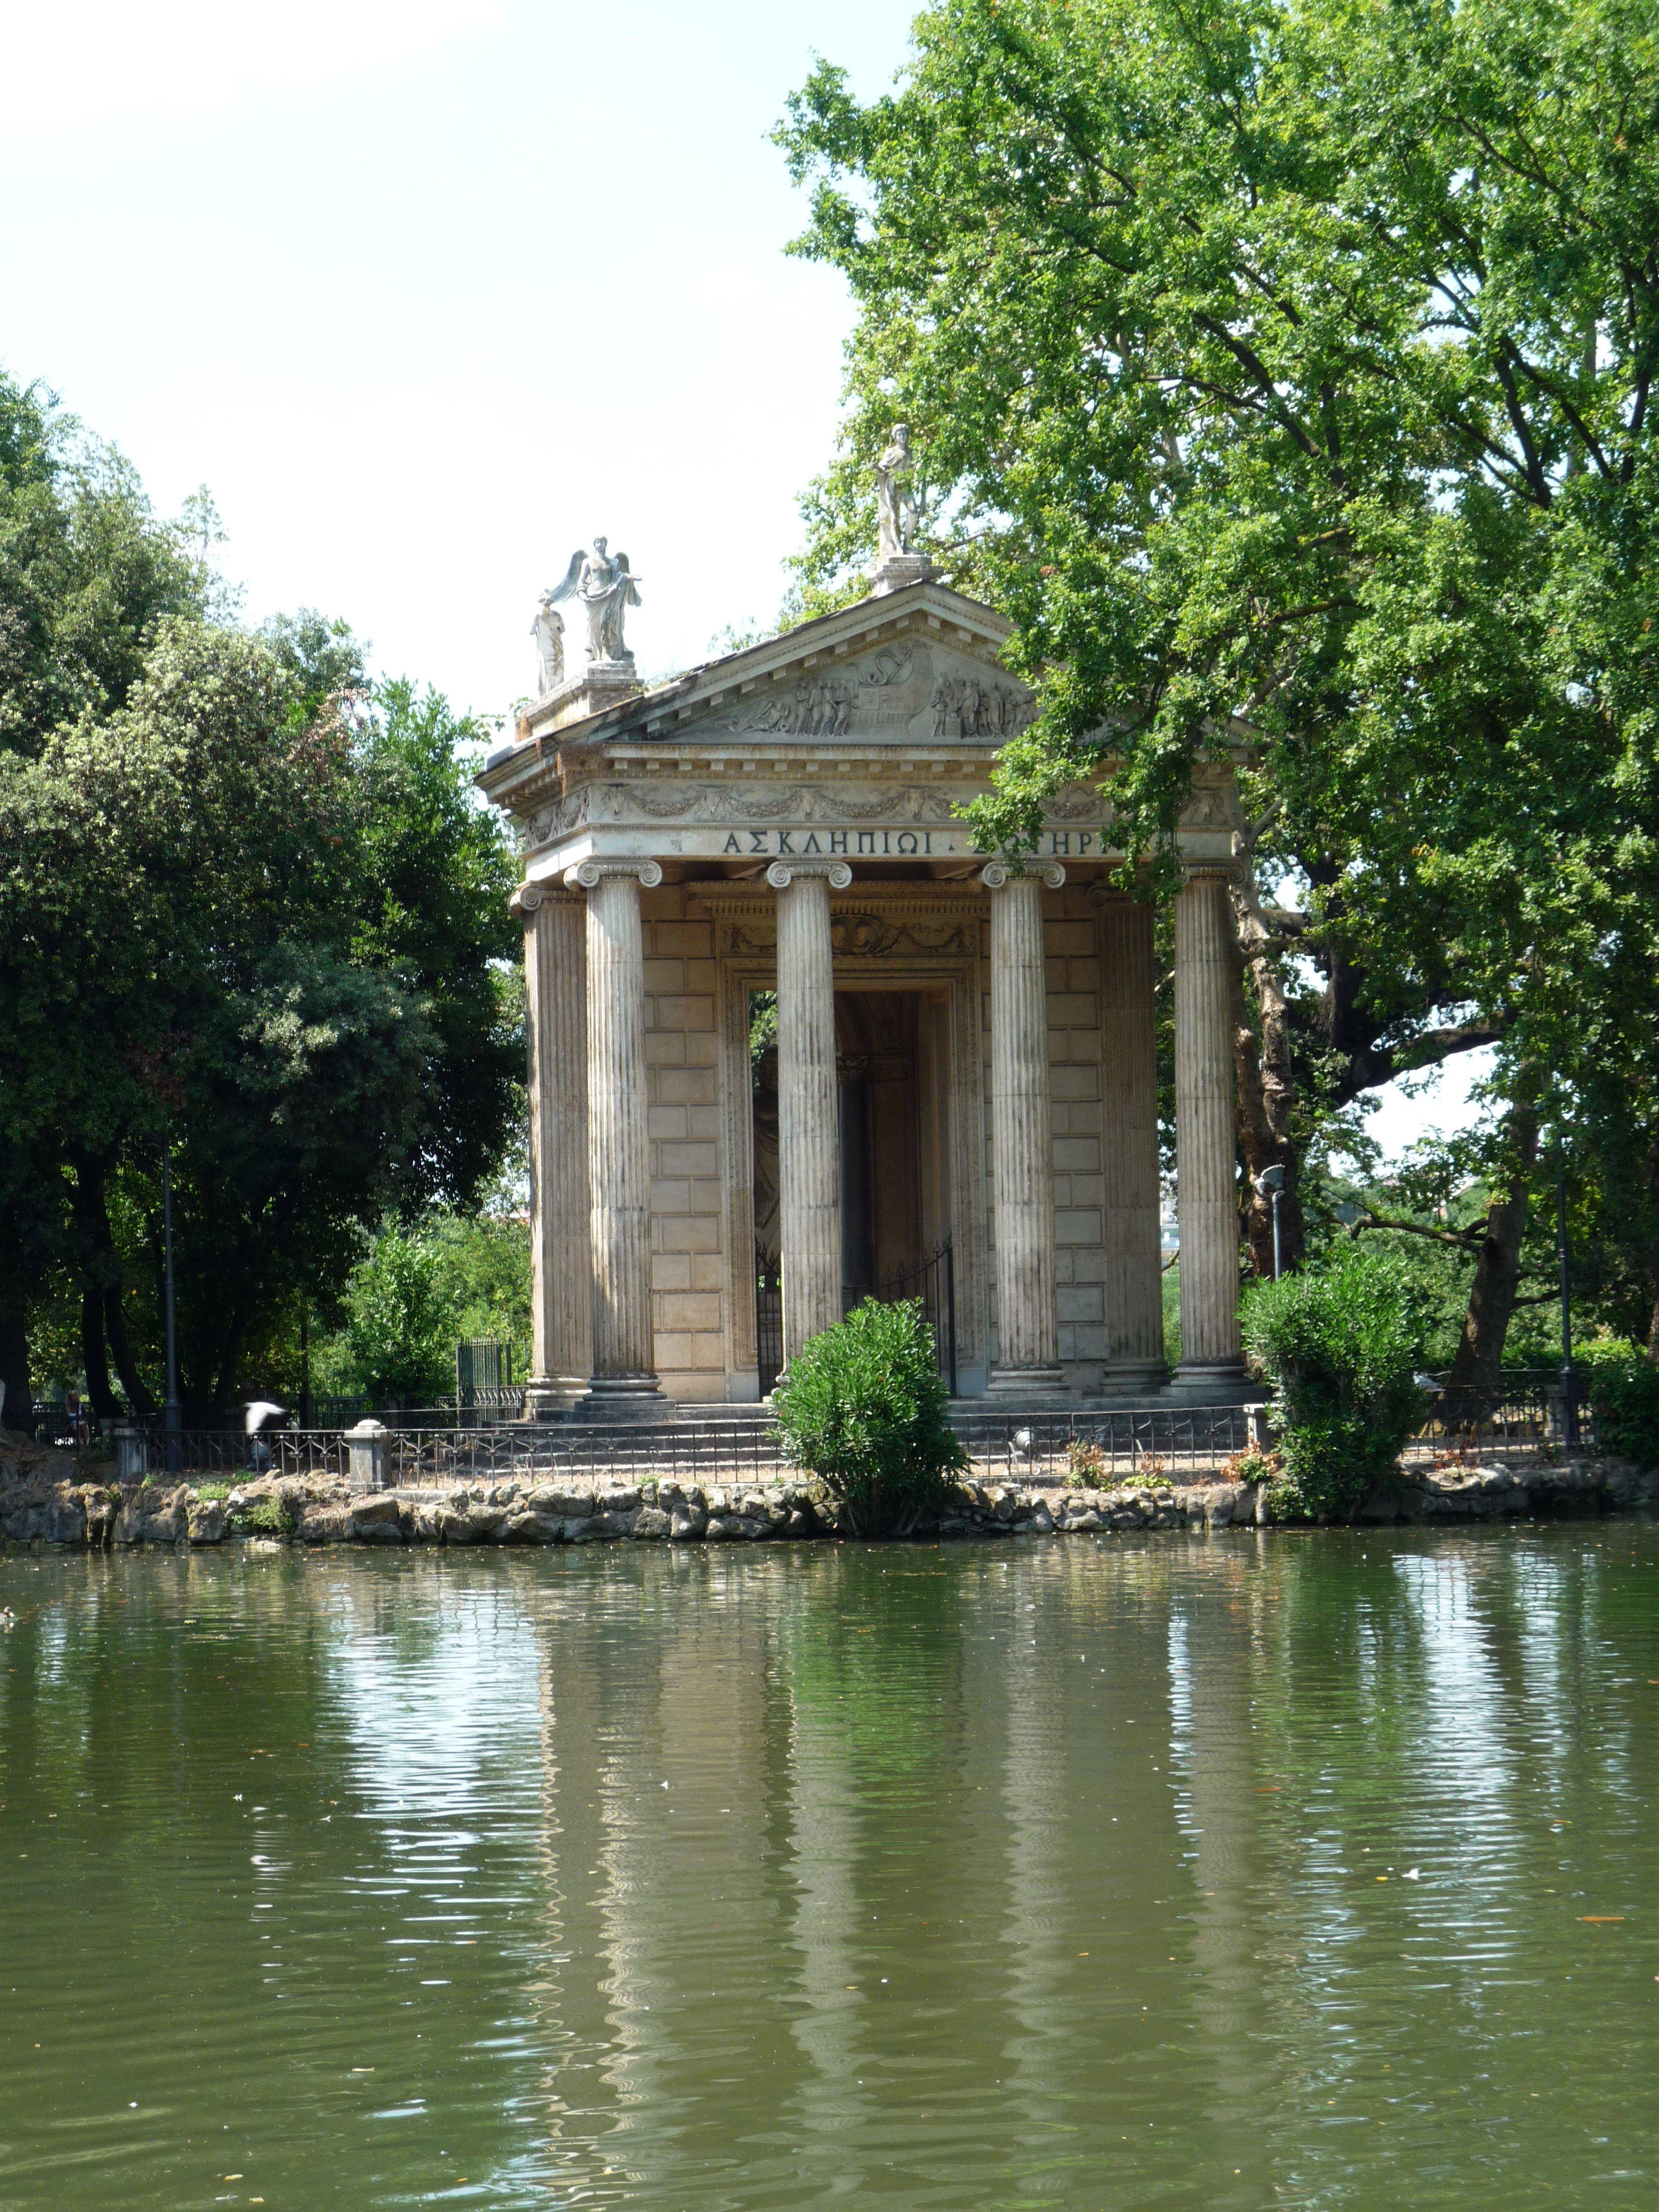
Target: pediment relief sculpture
[[908, 689]]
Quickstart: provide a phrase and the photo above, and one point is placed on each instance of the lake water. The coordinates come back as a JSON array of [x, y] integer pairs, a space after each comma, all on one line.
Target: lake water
[[1246, 1870]]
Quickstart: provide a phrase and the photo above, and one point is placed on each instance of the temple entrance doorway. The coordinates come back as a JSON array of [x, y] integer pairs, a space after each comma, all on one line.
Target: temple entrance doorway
[[893, 1070]]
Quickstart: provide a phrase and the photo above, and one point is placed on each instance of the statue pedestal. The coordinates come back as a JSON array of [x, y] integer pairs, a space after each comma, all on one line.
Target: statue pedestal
[[899, 569], [602, 683]]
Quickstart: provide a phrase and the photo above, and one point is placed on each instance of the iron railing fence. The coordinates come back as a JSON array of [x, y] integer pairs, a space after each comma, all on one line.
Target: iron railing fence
[[483, 1370], [418, 1458], [1097, 1450], [505, 1404], [769, 1317], [1524, 1418], [934, 1283], [1527, 1413]]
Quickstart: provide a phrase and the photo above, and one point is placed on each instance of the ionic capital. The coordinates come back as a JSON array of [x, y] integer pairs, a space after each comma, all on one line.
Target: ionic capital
[[587, 873], [995, 874], [529, 899], [782, 873]]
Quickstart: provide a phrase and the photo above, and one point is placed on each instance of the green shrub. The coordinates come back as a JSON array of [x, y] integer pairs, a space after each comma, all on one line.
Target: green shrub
[[1338, 1343], [268, 1517], [1255, 1465], [1623, 1386], [1089, 1467], [864, 1408]]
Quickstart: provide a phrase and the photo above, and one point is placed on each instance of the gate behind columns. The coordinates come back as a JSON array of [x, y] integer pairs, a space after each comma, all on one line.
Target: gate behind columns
[[934, 1283]]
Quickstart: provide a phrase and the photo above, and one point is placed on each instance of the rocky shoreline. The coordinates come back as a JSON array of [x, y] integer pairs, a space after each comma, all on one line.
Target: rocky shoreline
[[49, 1498]]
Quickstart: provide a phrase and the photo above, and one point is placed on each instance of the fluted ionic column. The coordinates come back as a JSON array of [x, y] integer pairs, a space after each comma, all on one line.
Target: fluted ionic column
[[618, 1158], [1022, 1133], [560, 1280], [1207, 1132], [809, 1144], [1129, 1112]]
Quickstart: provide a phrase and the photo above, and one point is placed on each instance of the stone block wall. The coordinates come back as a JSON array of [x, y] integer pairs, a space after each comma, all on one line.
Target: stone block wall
[[688, 1268]]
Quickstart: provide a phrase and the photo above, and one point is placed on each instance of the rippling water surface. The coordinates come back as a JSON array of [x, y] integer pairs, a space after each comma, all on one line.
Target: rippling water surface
[[1238, 1871]]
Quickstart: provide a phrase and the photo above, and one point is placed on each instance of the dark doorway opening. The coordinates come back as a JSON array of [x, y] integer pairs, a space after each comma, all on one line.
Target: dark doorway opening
[[892, 1063]]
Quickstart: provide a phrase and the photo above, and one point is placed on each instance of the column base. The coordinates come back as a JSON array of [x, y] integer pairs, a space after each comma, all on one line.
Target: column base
[[1026, 1382], [1124, 1376], [1212, 1383], [624, 1398], [549, 1397]]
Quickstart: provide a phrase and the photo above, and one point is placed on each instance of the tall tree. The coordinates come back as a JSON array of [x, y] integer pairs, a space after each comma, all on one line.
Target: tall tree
[[1286, 372], [212, 947], [87, 573]]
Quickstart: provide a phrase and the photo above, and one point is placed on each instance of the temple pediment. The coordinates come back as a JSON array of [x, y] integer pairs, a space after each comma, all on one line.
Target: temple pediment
[[916, 667], [913, 686], [859, 736]]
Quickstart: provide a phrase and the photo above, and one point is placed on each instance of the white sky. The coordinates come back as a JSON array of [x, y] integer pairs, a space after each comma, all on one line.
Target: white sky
[[427, 294]]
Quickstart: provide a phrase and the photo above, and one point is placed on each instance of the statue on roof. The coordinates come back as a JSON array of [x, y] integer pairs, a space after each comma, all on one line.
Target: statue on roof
[[606, 587], [895, 505], [548, 630]]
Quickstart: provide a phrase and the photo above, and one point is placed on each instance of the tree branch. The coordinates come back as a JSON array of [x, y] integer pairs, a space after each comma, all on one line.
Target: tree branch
[[1466, 1240]]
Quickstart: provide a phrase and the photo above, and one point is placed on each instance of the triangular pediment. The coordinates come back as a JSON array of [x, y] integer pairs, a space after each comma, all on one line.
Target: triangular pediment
[[917, 667]]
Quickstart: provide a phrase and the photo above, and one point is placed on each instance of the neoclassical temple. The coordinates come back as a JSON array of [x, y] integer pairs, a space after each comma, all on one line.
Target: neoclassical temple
[[963, 1089]]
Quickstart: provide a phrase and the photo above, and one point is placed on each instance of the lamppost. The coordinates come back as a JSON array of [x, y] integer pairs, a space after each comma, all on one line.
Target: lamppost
[[1270, 1184], [1569, 1372], [172, 1418]]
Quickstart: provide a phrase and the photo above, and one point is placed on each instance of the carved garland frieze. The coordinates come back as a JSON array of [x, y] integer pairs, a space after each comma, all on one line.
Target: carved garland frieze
[[854, 935], [549, 822], [722, 802]]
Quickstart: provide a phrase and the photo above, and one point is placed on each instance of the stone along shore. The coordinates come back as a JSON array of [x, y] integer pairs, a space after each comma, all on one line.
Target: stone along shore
[[46, 1498]]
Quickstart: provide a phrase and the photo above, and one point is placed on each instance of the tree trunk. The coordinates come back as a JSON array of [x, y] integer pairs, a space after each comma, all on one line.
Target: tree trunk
[[115, 1323], [1475, 1371], [229, 1351], [18, 1411], [1653, 1253], [94, 1355], [100, 1277], [1266, 1099]]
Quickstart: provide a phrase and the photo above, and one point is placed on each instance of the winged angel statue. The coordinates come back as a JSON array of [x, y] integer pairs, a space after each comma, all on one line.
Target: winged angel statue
[[606, 588]]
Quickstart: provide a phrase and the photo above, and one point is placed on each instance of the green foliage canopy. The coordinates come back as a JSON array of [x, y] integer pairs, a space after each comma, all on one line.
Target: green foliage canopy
[[399, 1333], [250, 909], [1286, 373]]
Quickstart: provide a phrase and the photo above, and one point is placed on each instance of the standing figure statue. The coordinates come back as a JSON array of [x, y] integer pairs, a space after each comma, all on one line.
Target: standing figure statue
[[607, 589], [895, 505], [548, 630]]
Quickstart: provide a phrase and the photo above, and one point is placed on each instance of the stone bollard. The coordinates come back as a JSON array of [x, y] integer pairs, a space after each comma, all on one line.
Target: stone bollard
[[131, 1455], [1261, 1434], [366, 1456]]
